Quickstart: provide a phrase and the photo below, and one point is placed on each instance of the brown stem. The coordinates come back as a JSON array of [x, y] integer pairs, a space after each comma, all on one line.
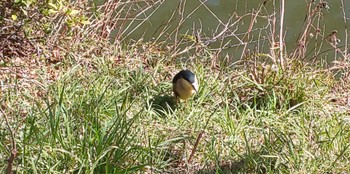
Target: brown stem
[[14, 149], [10, 160], [200, 136], [195, 146]]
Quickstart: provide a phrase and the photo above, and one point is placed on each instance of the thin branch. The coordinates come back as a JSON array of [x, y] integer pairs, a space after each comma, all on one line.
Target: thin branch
[[200, 136], [346, 31], [13, 150], [281, 34]]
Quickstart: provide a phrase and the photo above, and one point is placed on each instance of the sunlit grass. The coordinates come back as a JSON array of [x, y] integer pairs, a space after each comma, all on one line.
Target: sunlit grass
[[110, 118], [83, 105]]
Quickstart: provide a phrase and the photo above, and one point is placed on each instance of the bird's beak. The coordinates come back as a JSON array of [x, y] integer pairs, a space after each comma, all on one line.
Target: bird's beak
[[195, 85]]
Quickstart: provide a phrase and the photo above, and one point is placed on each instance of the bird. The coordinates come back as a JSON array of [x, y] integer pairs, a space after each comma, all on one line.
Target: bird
[[185, 84], [332, 38]]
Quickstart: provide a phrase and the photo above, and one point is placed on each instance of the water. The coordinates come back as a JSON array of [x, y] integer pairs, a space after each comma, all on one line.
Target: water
[[208, 18]]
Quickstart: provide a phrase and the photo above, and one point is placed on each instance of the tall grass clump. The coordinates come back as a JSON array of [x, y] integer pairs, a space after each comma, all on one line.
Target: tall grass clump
[[82, 125]]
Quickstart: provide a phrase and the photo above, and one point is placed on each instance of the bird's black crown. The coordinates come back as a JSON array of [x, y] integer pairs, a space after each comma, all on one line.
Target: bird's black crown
[[186, 74]]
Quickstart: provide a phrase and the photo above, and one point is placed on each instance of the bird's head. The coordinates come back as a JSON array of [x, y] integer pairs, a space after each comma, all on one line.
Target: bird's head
[[185, 83]]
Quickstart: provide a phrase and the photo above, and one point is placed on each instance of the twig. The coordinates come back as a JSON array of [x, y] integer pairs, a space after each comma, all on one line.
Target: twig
[[195, 146], [281, 34], [14, 149], [346, 31], [303, 36], [246, 37], [199, 137]]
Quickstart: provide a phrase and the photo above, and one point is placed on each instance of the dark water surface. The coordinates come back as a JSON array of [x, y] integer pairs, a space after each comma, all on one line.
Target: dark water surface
[[211, 15]]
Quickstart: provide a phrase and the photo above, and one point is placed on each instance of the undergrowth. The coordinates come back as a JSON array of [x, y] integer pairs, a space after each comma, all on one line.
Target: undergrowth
[[77, 103]]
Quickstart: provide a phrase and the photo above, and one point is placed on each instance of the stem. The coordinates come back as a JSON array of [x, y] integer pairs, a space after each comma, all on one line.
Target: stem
[[281, 34]]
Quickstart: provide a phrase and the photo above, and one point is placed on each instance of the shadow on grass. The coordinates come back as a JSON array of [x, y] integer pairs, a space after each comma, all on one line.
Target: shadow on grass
[[164, 105], [249, 163]]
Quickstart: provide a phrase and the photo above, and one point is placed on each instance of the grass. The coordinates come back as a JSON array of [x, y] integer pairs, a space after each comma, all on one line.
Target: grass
[[118, 118], [85, 105]]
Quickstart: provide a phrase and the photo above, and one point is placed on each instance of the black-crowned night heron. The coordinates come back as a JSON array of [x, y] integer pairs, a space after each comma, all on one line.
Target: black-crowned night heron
[[185, 84]]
